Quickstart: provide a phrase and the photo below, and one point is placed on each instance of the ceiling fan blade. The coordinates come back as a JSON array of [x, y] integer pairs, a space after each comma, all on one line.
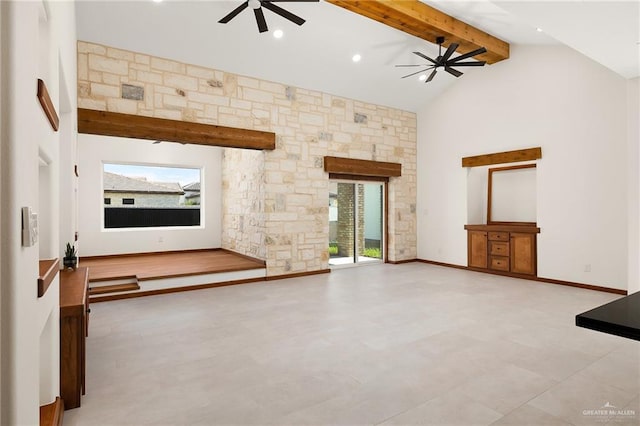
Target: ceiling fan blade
[[284, 13], [467, 64], [433, 74], [420, 65], [262, 24], [452, 71], [415, 73], [452, 48], [469, 54], [425, 57], [234, 12]]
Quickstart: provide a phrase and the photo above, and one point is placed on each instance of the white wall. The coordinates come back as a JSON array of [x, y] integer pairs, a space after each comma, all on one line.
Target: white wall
[[547, 96], [36, 43], [633, 132], [94, 150]]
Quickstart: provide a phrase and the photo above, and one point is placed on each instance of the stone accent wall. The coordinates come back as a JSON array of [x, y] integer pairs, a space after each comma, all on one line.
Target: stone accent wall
[[309, 125], [243, 218]]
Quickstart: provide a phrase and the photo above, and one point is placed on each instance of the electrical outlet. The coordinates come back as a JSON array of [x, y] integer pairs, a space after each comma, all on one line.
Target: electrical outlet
[[587, 267], [29, 227]]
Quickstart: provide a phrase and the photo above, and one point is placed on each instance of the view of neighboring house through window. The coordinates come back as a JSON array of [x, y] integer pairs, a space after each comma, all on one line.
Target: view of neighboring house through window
[[138, 196]]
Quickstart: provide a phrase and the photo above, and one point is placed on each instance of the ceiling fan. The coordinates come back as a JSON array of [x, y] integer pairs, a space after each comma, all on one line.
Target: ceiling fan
[[257, 6], [443, 61]]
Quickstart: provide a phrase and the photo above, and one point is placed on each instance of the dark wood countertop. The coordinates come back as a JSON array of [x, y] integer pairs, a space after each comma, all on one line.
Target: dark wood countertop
[[620, 317], [527, 229], [73, 291]]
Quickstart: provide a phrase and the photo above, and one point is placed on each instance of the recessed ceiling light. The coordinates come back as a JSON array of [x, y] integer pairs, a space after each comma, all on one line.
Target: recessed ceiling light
[[423, 77], [278, 33], [157, 1], [356, 58], [539, 29]]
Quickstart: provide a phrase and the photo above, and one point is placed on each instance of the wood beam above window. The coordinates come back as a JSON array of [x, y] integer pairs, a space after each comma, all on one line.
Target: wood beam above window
[[349, 166], [423, 21], [135, 126]]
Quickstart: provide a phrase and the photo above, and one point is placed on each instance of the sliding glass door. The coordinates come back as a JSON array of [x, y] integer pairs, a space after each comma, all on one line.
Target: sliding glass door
[[356, 222]]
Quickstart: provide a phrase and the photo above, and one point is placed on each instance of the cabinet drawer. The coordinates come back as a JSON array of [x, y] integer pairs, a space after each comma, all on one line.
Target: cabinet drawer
[[499, 263], [498, 236], [498, 248]]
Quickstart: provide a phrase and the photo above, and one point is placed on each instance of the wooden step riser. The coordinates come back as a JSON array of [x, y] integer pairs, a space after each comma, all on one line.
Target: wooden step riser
[[114, 288]]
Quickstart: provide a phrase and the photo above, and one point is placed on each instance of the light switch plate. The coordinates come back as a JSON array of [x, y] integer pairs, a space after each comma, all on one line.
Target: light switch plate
[[29, 227]]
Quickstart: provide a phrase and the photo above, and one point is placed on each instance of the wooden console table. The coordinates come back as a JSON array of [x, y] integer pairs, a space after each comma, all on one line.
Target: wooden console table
[[509, 249], [74, 326]]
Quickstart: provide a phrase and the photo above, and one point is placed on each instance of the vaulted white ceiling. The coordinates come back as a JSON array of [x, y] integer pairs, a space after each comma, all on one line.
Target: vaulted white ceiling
[[318, 55]]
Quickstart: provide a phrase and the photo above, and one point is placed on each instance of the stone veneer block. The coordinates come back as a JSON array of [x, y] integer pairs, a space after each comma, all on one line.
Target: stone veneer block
[[104, 64], [98, 90], [135, 93]]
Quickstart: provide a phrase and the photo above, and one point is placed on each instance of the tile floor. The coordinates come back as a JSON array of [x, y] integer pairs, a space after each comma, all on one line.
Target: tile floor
[[380, 344]]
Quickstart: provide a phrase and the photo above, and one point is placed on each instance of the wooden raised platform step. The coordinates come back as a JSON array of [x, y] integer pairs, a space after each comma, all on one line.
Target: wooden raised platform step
[[114, 288], [132, 275], [147, 266]]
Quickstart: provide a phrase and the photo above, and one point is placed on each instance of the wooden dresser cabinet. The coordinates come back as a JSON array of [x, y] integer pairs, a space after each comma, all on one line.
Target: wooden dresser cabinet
[[510, 249], [74, 326]]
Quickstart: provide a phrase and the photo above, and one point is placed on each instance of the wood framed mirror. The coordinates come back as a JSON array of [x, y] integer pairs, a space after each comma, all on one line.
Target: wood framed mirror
[[512, 195]]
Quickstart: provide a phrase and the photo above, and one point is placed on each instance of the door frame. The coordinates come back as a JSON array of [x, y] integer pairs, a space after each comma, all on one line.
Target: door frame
[[346, 178]]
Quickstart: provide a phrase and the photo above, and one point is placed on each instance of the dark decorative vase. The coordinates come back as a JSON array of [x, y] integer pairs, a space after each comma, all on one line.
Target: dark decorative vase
[[70, 262]]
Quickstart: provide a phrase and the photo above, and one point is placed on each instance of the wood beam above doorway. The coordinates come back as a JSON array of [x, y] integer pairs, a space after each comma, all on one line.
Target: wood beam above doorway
[[423, 21], [516, 156], [350, 166], [135, 126]]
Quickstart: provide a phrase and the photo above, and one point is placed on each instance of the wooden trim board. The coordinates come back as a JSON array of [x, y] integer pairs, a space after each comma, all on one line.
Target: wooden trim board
[[296, 275], [145, 293], [151, 128], [516, 156], [529, 277], [400, 262], [47, 105], [48, 269], [490, 221], [107, 298], [115, 288], [340, 176], [354, 167]]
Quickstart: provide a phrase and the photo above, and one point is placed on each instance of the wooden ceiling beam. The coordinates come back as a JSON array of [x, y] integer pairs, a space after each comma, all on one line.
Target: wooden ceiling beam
[[135, 126], [423, 21]]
